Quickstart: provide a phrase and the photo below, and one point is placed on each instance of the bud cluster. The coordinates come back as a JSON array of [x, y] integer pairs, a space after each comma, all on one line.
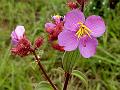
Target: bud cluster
[[53, 29], [21, 45], [23, 48]]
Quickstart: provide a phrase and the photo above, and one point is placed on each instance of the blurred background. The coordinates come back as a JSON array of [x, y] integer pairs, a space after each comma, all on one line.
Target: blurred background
[[16, 73]]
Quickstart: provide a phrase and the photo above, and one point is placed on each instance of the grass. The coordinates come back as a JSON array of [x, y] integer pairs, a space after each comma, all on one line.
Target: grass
[[102, 70]]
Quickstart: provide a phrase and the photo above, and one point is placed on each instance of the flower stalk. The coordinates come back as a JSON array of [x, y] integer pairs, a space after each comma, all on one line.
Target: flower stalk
[[82, 6], [43, 70], [67, 77]]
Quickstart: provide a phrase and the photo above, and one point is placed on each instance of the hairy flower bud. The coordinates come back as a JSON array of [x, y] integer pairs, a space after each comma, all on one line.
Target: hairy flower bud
[[38, 42], [56, 46], [23, 48], [72, 5]]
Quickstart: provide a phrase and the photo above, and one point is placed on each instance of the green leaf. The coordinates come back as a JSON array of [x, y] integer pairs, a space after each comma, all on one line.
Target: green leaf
[[107, 53], [69, 60], [105, 59], [81, 76], [43, 86]]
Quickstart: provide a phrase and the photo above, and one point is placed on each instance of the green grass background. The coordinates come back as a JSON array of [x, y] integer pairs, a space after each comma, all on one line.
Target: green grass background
[[16, 73]]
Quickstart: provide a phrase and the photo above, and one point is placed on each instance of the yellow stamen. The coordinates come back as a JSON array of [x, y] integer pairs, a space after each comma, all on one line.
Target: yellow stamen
[[57, 16], [88, 33], [83, 30]]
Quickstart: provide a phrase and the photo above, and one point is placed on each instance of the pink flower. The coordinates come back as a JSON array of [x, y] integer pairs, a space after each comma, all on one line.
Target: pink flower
[[22, 46], [81, 33], [17, 34]]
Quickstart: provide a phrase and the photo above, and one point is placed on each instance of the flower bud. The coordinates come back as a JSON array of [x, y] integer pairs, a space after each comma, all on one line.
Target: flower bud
[[38, 42], [49, 27], [72, 5], [56, 46], [23, 48]]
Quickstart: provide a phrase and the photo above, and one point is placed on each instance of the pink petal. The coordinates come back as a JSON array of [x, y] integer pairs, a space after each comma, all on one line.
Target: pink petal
[[14, 38], [49, 27], [17, 34], [14, 42], [87, 46], [68, 40], [13, 35], [20, 30], [96, 25], [72, 18]]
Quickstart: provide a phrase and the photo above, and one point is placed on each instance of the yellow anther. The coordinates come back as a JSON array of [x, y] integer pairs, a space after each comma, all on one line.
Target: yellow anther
[[88, 33], [88, 29], [83, 30]]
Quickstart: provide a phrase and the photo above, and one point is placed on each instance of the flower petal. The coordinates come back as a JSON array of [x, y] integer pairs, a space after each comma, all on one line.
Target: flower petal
[[14, 41], [17, 34], [13, 35], [96, 25], [72, 18], [68, 39], [87, 46], [20, 30], [49, 27]]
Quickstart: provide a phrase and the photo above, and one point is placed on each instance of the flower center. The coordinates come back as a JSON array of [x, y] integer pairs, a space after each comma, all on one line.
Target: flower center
[[83, 30]]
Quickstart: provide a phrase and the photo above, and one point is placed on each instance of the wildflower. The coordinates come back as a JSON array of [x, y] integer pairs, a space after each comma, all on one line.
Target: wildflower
[[17, 34], [80, 33], [22, 45]]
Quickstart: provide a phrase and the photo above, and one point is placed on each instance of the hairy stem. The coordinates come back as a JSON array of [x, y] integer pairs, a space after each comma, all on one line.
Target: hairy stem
[[43, 70], [67, 77]]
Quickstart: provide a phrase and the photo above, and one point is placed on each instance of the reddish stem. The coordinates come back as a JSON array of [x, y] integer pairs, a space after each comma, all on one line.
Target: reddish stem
[[43, 70], [67, 75]]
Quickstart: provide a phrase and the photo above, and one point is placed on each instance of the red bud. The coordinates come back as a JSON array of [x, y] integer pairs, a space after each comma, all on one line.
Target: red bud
[[72, 5], [23, 48], [38, 42]]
